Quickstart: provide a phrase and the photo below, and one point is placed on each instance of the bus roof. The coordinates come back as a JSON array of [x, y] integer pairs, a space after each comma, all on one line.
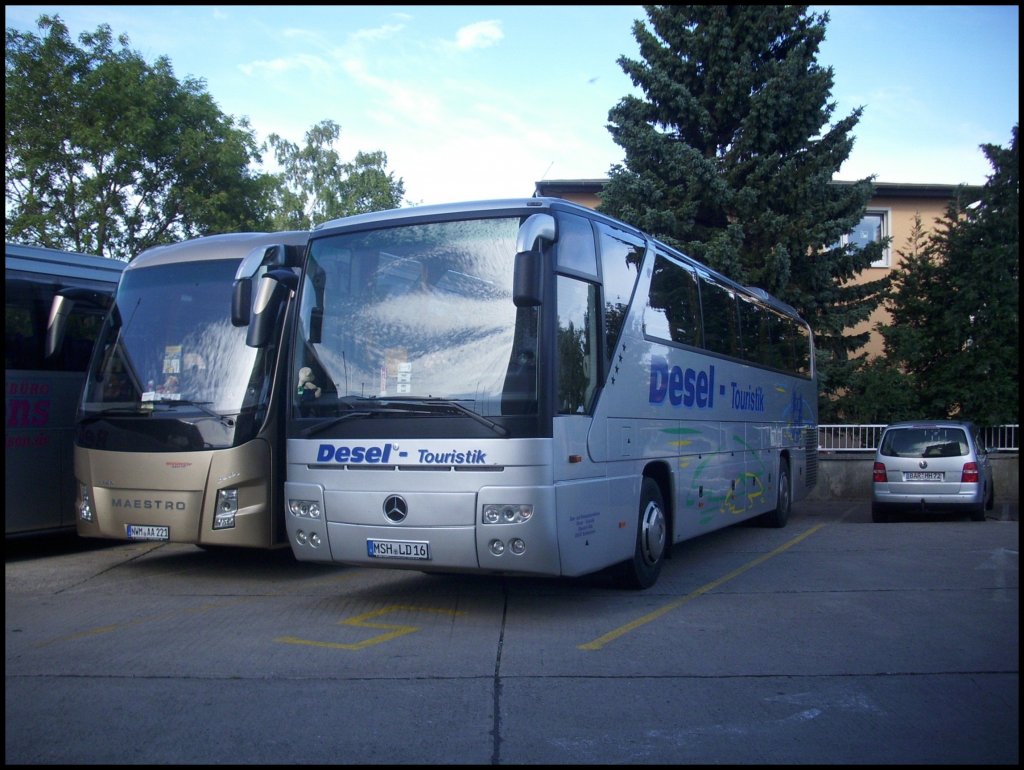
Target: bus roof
[[55, 263], [446, 209], [214, 247]]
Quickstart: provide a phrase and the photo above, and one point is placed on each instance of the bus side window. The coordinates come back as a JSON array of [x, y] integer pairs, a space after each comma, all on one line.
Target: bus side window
[[621, 257], [576, 346], [673, 304], [721, 325]]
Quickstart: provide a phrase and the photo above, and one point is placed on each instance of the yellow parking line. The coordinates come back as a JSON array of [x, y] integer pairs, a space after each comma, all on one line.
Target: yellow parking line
[[362, 621], [137, 622], [98, 630], [611, 636]]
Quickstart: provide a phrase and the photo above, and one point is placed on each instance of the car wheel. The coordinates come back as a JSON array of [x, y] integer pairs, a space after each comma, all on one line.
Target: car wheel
[[991, 502], [978, 514], [651, 540], [878, 515]]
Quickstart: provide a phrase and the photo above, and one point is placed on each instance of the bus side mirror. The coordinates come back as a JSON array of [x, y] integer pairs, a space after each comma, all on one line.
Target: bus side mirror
[[57, 324], [241, 301], [278, 255], [60, 312], [528, 275], [274, 288], [527, 279]]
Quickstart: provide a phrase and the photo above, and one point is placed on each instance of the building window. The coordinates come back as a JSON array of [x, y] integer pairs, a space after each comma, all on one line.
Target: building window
[[872, 228]]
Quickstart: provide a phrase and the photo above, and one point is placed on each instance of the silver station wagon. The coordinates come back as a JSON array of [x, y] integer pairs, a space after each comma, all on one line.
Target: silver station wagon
[[932, 466]]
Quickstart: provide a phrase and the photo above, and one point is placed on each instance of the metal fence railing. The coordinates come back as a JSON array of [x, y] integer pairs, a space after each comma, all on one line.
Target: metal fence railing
[[864, 438]]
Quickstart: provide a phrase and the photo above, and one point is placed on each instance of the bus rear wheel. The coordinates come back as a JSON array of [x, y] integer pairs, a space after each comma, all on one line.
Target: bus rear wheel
[[651, 540]]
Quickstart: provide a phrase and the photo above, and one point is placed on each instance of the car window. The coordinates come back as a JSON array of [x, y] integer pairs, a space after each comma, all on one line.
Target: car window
[[925, 442]]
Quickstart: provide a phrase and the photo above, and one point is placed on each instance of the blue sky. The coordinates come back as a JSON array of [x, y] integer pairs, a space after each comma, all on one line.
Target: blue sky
[[474, 102]]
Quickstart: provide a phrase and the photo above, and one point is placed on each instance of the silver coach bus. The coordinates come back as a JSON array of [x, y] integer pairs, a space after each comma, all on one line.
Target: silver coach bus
[[530, 387]]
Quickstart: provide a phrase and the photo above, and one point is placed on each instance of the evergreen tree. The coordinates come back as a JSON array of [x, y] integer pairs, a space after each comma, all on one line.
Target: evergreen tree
[[730, 156], [316, 185], [955, 305], [108, 154]]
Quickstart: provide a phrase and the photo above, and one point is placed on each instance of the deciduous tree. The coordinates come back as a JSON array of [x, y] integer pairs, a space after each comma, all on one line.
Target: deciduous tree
[[316, 185], [109, 154]]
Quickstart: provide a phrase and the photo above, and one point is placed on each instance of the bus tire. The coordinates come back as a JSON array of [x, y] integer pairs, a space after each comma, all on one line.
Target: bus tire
[[783, 500], [651, 540]]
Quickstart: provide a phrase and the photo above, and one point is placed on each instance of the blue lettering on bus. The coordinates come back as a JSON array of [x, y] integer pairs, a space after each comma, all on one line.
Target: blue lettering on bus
[[472, 457], [748, 400], [354, 454], [682, 387]]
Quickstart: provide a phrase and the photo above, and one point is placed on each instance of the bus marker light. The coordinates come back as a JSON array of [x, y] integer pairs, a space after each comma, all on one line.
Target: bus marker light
[[517, 546], [300, 537], [497, 547], [314, 539]]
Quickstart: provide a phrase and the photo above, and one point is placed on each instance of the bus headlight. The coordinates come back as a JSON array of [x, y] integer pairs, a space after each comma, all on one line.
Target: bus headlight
[[85, 512], [506, 513], [227, 507], [304, 509]]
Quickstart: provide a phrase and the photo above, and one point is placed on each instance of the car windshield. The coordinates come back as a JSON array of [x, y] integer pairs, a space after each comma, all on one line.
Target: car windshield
[[925, 442]]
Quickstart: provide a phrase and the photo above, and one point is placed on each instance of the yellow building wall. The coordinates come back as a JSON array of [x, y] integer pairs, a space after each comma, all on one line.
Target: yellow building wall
[[901, 221]]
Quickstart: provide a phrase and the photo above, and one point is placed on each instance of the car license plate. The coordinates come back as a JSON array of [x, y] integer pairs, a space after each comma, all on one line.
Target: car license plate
[[147, 532], [922, 476], [397, 549]]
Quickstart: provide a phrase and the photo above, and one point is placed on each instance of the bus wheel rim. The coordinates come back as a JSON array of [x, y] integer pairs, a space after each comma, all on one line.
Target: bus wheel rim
[[652, 534]]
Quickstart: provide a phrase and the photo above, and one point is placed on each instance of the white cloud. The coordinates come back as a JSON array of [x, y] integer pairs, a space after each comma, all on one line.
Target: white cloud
[[313, 64], [376, 34], [481, 34]]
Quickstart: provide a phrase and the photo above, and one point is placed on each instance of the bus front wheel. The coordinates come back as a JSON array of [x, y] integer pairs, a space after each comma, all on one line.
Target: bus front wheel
[[651, 540], [783, 500]]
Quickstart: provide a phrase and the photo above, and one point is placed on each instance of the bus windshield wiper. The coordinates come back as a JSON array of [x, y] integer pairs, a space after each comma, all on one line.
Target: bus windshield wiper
[[200, 405], [114, 411], [369, 407], [448, 405]]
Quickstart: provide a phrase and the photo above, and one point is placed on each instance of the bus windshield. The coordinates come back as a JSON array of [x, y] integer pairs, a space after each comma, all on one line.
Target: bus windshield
[[398, 316], [168, 346]]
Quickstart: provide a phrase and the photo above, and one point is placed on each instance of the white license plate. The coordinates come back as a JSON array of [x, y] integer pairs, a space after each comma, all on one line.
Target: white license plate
[[147, 532], [397, 549], [922, 476]]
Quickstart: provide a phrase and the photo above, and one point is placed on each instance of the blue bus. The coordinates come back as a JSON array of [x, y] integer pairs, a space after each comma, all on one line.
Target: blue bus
[[43, 386]]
